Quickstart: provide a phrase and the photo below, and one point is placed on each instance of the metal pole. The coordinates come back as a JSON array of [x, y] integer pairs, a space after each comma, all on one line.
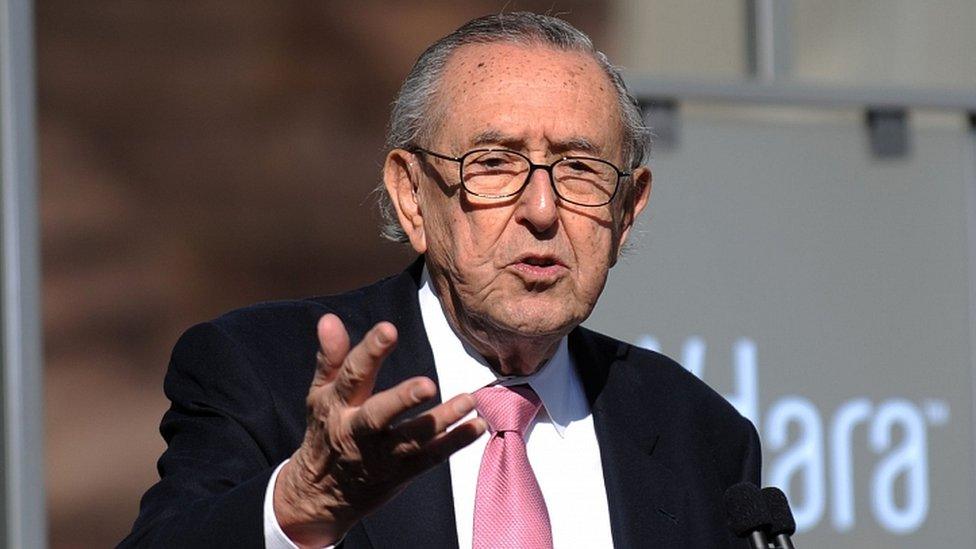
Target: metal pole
[[969, 169], [768, 38], [20, 389]]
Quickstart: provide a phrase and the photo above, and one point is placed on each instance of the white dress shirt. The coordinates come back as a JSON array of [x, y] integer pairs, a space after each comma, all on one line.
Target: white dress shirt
[[561, 443]]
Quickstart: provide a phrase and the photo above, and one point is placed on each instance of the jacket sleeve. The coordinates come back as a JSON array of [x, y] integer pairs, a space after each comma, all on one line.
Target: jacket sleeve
[[215, 469]]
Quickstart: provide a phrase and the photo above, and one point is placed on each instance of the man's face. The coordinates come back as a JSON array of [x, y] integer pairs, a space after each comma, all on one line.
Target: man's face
[[529, 264]]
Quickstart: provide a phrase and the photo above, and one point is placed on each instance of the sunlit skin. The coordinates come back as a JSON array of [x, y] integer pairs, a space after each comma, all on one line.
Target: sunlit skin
[[516, 275]]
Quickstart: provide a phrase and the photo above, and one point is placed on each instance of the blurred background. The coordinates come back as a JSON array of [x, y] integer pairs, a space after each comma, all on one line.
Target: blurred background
[[199, 156]]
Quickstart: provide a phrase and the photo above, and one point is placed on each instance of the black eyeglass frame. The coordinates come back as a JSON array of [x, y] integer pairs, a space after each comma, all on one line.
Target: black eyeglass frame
[[532, 168]]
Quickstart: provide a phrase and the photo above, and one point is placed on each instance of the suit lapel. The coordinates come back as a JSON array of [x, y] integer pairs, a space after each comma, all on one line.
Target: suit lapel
[[422, 515], [646, 502]]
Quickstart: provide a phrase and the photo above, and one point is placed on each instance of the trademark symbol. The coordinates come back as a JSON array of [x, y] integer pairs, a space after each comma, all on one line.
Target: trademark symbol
[[937, 411]]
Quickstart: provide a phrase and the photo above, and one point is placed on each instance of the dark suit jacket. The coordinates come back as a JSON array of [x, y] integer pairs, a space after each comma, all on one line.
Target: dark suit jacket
[[670, 446]]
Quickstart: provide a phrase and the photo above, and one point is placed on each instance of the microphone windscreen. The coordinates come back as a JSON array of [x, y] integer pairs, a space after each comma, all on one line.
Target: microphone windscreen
[[745, 509], [780, 515]]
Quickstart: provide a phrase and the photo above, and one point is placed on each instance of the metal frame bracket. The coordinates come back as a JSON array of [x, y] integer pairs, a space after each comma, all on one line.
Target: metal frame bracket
[[662, 117], [888, 132]]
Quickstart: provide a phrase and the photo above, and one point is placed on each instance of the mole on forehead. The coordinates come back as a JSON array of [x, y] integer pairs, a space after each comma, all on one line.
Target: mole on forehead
[[498, 61]]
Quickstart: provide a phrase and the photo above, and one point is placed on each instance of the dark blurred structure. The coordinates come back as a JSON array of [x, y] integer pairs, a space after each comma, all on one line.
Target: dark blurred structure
[[196, 157]]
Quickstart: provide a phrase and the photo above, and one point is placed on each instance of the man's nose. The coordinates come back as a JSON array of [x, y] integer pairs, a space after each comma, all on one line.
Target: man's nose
[[537, 203]]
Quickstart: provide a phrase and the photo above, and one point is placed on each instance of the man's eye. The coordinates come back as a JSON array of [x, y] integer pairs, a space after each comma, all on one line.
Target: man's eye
[[579, 166], [494, 162]]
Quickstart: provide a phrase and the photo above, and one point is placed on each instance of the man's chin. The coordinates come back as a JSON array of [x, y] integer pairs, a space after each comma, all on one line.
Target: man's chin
[[541, 322]]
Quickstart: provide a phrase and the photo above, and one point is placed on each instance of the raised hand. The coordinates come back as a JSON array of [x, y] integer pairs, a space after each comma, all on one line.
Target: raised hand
[[354, 457]]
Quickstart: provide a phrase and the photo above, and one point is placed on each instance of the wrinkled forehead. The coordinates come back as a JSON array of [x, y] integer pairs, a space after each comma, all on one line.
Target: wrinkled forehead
[[526, 92]]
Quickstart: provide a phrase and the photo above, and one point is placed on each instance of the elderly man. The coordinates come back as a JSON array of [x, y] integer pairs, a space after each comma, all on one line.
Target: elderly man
[[515, 171]]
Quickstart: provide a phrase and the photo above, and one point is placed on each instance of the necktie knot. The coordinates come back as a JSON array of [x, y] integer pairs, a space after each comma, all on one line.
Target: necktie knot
[[507, 408]]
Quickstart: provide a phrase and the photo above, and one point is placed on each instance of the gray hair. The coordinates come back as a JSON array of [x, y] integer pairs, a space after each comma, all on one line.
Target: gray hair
[[413, 120]]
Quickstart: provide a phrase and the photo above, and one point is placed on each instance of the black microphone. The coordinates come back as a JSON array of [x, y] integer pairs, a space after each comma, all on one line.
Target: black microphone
[[782, 525], [747, 514]]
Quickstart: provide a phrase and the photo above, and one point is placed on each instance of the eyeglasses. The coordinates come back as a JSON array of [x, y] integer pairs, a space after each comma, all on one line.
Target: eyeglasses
[[501, 173]]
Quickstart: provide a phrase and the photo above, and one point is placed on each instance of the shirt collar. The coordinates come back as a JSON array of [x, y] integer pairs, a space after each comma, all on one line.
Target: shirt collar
[[460, 366]]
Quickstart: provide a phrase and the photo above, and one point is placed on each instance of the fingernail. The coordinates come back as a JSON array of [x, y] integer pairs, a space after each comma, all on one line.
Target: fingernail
[[463, 405], [479, 425], [382, 338]]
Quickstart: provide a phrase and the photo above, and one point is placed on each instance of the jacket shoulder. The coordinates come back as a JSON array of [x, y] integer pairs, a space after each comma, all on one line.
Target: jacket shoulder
[[287, 322], [283, 315], [679, 405], [665, 378]]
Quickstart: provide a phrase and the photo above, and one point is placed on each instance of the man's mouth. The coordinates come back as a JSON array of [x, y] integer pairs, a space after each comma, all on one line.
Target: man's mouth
[[539, 261], [539, 267]]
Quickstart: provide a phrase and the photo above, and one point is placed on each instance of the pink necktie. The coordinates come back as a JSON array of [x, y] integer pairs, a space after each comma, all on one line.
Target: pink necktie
[[509, 511]]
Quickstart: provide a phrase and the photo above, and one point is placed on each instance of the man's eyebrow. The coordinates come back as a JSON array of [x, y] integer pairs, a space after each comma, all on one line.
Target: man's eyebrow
[[495, 137], [577, 144], [492, 137]]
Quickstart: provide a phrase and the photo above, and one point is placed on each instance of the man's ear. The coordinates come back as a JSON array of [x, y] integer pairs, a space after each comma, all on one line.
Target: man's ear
[[401, 175], [637, 200]]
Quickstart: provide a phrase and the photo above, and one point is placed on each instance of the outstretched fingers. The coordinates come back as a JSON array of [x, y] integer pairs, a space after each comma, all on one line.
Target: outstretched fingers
[[348, 425], [433, 422], [347, 377], [379, 410], [425, 441], [333, 348], [357, 375], [445, 444]]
